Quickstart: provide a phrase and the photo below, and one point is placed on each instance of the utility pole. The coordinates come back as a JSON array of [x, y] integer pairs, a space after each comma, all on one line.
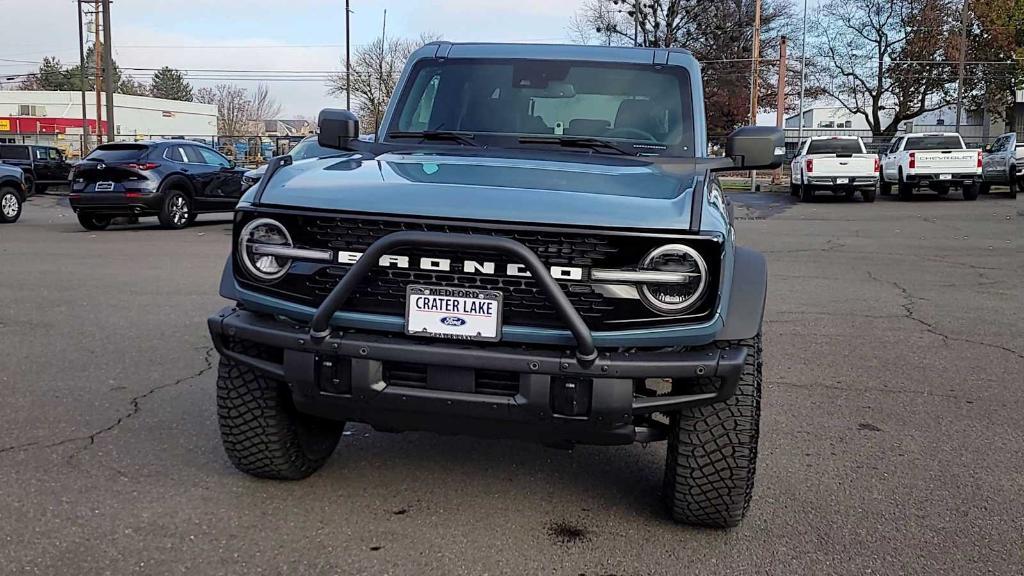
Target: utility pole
[[963, 58], [780, 102], [756, 55], [108, 64], [81, 82], [803, 75], [348, 59], [97, 50]]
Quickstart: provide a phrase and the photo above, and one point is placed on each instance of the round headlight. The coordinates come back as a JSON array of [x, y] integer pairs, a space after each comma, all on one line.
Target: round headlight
[[255, 246], [686, 278]]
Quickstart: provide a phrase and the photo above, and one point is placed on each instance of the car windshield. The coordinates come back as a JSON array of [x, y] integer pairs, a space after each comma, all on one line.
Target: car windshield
[[499, 102], [310, 149], [934, 143], [117, 152], [835, 146]]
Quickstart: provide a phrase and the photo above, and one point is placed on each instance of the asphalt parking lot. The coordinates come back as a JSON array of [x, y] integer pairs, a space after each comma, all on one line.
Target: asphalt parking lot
[[892, 432]]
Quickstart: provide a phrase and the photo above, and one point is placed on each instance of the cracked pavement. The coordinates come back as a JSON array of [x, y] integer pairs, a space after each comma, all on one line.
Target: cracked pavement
[[892, 435]]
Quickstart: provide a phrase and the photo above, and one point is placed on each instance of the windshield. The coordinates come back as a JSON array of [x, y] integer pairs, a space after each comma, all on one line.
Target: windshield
[[310, 148], [835, 146], [118, 152], [644, 108], [934, 143]]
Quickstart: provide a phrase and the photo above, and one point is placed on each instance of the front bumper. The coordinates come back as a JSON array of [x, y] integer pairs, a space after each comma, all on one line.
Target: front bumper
[[549, 395]]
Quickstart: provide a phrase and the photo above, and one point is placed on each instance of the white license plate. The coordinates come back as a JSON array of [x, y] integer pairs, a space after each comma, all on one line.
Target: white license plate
[[454, 313], [104, 187], [945, 176], [842, 180]]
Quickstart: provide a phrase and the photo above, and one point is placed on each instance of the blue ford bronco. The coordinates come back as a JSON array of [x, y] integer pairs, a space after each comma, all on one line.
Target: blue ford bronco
[[534, 246]]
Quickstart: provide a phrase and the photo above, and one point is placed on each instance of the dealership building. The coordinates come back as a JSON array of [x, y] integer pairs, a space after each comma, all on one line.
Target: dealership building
[[55, 118]]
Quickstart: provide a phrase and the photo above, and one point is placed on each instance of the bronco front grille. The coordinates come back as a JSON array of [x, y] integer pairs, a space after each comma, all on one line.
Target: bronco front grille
[[384, 290]]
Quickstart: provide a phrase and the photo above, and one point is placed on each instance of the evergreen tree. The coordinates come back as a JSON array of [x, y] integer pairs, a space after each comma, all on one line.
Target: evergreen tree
[[171, 84]]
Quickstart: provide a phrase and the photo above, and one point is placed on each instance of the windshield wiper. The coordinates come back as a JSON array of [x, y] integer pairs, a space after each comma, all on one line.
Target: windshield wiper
[[576, 142], [461, 138]]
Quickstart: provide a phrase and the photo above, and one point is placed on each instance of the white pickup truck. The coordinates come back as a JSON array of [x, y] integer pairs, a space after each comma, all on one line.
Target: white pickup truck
[[1003, 163], [838, 164], [939, 161]]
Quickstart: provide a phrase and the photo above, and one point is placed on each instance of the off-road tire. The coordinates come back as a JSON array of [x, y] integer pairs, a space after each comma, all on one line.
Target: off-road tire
[[806, 193], [10, 205], [868, 194], [906, 190], [262, 432], [712, 450], [884, 188], [171, 215], [970, 191], [92, 221]]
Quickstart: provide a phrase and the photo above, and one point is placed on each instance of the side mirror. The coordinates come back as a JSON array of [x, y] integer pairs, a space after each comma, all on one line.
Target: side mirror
[[756, 147], [988, 147], [337, 128], [232, 164]]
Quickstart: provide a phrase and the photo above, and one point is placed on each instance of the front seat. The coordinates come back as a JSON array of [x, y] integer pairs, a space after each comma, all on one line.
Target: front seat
[[638, 115]]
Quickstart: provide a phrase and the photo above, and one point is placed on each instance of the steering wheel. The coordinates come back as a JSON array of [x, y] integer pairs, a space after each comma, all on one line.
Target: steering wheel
[[634, 133]]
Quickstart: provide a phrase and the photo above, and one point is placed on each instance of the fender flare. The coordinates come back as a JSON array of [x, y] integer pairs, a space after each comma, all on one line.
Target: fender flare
[[186, 187], [747, 297]]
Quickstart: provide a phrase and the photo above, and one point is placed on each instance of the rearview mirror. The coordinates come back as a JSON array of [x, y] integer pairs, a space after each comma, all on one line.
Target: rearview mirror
[[756, 147], [337, 128]]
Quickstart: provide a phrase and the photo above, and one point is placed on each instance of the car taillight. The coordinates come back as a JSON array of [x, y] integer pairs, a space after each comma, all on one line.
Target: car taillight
[[810, 165], [143, 166], [913, 161], [979, 158], [877, 165]]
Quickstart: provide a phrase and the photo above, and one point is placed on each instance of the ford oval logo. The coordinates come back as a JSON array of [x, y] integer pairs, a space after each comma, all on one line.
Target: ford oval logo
[[453, 321]]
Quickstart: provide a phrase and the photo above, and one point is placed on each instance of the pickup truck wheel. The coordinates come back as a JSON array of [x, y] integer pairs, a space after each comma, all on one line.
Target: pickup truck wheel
[[177, 211], [1014, 183], [885, 188], [806, 193], [794, 189], [868, 194], [92, 221], [906, 190], [262, 432], [712, 450], [970, 191], [30, 185], [984, 188], [10, 205]]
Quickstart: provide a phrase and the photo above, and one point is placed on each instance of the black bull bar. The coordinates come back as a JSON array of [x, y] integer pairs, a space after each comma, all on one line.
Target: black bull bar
[[319, 329]]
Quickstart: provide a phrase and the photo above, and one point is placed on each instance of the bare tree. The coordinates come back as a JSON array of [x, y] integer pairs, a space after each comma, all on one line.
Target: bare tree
[[375, 70], [885, 60], [262, 106], [234, 112]]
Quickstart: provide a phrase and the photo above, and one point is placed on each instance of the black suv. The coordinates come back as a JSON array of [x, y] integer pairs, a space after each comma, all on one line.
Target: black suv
[[174, 180], [43, 165]]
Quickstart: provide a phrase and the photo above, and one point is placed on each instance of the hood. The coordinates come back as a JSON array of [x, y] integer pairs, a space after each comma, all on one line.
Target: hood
[[256, 173], [593, 190]]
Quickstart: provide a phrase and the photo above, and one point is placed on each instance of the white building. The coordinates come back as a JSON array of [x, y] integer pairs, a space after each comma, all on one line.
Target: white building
[[975, 126], [55, 118]]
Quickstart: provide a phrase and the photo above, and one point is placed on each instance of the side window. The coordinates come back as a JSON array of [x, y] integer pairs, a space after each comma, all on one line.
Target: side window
[[174, 154], [192, 155], [14, 153], [55, 155], [211, 157], [40, 154]]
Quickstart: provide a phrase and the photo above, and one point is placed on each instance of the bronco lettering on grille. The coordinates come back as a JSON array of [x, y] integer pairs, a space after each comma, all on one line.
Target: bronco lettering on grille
[[468, 266]]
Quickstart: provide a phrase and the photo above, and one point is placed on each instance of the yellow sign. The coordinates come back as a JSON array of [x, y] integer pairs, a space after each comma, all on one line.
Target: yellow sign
[[5, 125]]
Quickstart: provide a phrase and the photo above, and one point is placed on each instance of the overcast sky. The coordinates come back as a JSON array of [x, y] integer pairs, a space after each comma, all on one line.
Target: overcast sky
[[266, 34]]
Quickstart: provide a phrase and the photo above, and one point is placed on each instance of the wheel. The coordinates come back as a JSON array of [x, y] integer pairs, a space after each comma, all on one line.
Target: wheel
[[794, 189], [262, 432], [970, 191], [906, 190], [30, 185], [984, 187], [177, 212], [1019, 188], [92, 221], [806, 193], [1013, 183], [885, 188], [10, 205], [868, 194], [712, 450]]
